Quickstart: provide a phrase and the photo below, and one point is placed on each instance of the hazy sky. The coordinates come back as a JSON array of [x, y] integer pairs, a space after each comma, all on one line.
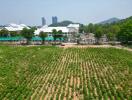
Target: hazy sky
[[84, 11]]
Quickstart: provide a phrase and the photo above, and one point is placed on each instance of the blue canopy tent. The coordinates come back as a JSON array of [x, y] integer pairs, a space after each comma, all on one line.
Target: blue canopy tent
[[36, 38]]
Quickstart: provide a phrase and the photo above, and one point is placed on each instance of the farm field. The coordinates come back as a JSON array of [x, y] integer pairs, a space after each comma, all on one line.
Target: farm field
[[53, 73]]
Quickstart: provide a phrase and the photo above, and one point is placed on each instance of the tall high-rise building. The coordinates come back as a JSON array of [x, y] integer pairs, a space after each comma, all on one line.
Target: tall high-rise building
[[54, 20], [43, 21]]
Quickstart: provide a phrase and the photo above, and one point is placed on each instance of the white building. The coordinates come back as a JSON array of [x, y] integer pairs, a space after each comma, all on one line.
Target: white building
[[72, 28], [88, 38], [15, 27]]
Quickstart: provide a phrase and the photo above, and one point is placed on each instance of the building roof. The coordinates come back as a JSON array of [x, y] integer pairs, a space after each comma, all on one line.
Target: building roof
[[73, 25], [69, 28], [15, 27], [50, 29]]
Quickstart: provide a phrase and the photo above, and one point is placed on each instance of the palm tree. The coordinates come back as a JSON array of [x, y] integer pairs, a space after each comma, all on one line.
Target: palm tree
[[43, 36]]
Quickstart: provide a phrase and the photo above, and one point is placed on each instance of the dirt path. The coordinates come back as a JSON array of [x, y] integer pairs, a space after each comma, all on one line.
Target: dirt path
[[95, 46], [122, 47]]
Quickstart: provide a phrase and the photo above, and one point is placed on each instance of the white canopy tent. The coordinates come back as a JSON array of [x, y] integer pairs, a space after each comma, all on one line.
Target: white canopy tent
[[70, 28], [15, 27]]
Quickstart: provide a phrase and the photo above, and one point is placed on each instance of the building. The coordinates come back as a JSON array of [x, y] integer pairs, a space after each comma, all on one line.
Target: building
[[88, 38], [43, 21], [54, 20], [16, 27], [103, 39], [73, 28], [70, 29]]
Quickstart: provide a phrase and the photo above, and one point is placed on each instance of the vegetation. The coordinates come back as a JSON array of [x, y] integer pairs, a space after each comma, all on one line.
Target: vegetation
[[125, 34], [98, 34], [4, 33], [43, 35], [120, 30], [77, 37], [54, 34], [116, 31], [49, 72], [57, 34], [63, 23], [14, 34], [28, 34]]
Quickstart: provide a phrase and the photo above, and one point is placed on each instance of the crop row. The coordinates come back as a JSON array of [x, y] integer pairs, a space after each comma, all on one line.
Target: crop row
[[74, 73]]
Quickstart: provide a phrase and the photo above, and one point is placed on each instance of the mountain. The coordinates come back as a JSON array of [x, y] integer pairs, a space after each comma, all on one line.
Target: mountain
[[110, 21], [129, 19], [63, 23], [123, 21]]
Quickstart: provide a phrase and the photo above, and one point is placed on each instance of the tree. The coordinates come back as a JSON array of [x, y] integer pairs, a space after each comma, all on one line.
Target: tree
[[13, 34], [111, 36], [54, 34], [43, 35], [34, 28], [65, 37], [112, 32], [57, 34], [125, 34], [60, 34], [98, 34], [78, 38], [4, 33], [28, 34], [115, 29], [89, 28], [63, 23], [81, 28]]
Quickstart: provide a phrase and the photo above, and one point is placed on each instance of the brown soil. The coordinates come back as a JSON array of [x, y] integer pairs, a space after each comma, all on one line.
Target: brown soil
[[95, 46]]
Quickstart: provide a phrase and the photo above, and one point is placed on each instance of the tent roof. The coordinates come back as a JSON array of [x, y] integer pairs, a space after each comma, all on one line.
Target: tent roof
[[15, 27], [50, 29]]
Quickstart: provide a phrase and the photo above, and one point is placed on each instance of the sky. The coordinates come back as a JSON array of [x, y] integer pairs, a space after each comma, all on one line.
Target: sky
[[29, 12]]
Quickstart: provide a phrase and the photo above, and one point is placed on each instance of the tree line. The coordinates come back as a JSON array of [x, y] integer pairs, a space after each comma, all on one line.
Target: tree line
[[119, 31]]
